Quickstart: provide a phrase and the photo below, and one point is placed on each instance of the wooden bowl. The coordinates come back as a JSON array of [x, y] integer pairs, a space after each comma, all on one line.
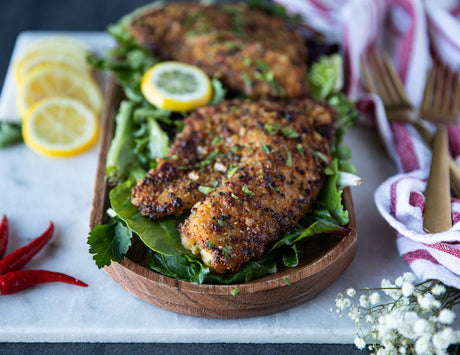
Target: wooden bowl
[[322, 260]]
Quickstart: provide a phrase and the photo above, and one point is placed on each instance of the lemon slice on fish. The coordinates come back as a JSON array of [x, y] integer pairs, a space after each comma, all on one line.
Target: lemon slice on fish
[[176, 86], [60, 127]]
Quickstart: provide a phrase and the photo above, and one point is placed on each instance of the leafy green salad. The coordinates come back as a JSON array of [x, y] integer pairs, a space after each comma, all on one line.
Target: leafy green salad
[[144, 133]]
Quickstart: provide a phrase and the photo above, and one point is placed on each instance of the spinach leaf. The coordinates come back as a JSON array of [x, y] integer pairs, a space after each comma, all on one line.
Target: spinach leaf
[[161, 236]]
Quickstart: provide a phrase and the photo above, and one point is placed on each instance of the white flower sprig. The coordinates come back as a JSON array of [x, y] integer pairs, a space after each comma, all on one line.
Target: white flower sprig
[[403, 317]]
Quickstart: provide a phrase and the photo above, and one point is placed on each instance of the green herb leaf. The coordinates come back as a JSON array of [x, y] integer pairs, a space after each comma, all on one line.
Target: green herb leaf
[[234, 196], [247, 191], [109, 242], [289, 133], [265, 149], [287, 281], [10, 133], [217, 140], [206, 189], [235, 291], [289, 159], [232, 170]]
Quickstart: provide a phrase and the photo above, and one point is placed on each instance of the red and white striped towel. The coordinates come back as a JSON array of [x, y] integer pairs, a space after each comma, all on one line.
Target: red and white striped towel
[[413, 32]]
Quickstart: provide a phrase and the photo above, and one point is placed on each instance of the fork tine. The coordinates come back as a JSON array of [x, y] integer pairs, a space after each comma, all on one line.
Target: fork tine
[[398, 85], [456, 99], [367, 78], [447, 94], [379, 76], [439, 86], [427, 94]]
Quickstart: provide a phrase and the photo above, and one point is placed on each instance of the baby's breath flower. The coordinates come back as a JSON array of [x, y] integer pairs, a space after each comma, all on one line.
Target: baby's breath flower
[[351, 292], [423, 345], [409, 277], [442, 339], [446, 316], [364, 301], [407, 288], [399, 281], [374, 298], [421, 326], [425, 301], [360, 343], [438, 290]]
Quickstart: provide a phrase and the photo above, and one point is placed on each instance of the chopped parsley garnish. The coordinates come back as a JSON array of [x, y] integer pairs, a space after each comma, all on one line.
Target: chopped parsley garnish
[[174, 157], [247, 80], [221, 222], [205, 189], [274, 189], [214, 183], [318, 155], [300, 148], [234, 149], [289, 133], [217, 140], [264, 147], [289, 159], [287, 281], [226, 250], [247, 191], [209, 244], [209, 159], [235, 291], [234, 196], [232, 170], [247, 61]]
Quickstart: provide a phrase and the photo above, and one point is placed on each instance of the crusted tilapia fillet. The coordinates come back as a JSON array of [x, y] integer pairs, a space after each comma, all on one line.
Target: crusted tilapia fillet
[[247, 169], [252, 52]]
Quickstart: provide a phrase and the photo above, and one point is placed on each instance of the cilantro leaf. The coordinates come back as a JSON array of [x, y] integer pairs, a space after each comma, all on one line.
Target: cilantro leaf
[[109, 242]]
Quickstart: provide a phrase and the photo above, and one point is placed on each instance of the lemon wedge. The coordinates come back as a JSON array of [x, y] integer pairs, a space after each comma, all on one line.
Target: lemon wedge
[[176, 86], [60, 127], [51, 57], [49, 80]]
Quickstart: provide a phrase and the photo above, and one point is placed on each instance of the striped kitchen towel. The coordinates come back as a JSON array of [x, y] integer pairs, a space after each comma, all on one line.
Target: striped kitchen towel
[[413, 32]]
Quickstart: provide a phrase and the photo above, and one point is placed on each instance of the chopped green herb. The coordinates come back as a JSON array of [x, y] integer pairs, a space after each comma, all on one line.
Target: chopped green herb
[[174, 157], [226, 250], [289, 133], [209, 159], [221, 222], [232, 170], [300, 148], [205, 189], [214, 183], [264, 147], [289, 159], [318, 155], [234, 196], [209, 244], [217, 140], [235, 291], [247, 61], [247, 191], [287, 281], [274, 189], [234, 149], [247, 80]]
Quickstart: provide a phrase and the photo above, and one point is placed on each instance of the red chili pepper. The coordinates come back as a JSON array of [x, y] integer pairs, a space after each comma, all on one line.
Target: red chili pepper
[[3, 235], [20, 257], [16, 281]]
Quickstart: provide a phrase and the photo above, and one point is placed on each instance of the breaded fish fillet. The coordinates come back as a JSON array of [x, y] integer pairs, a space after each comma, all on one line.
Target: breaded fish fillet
[[252, 52], [248, 169]]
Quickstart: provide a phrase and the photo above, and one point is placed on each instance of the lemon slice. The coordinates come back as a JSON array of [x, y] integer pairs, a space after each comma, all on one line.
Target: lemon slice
[[48, 80], [60, 127], [176, 86], [53, 57], [61, 44]]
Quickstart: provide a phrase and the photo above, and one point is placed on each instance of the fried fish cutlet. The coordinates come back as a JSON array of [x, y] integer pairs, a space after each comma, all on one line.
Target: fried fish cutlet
[[250, 51], [262, 178]]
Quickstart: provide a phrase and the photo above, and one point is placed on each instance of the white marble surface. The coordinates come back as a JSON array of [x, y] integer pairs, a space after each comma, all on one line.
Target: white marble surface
[[34, 190]]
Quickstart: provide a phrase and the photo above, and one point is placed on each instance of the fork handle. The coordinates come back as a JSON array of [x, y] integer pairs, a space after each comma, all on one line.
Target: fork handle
[[437, 216]]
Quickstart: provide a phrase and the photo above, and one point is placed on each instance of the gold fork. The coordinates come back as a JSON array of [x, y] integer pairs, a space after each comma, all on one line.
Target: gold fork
[[441, 105], [383, 80]]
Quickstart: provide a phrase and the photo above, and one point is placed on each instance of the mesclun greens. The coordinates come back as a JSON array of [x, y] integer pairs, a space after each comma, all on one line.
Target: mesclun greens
[[144, 132]]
